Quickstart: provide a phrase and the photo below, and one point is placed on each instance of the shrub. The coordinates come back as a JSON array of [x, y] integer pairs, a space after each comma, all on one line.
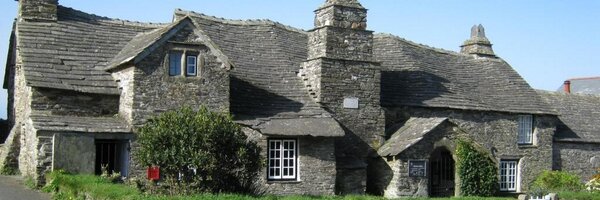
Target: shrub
[[199, 151], [594, 184], [558, 181], [478, 173]]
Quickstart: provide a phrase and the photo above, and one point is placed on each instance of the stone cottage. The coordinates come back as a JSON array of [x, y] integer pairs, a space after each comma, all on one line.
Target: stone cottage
[[337, 109]]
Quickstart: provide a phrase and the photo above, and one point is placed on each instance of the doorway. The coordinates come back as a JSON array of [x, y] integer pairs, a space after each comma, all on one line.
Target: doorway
[[112, 156], [441, 182]]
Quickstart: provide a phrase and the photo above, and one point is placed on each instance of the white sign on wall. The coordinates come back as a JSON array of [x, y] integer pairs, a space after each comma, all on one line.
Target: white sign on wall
[[351, 102]]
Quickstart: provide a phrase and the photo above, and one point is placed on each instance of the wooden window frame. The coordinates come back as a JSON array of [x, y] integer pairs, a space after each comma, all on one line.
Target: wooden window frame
[[525, 129], [508, 175], [277, 157]]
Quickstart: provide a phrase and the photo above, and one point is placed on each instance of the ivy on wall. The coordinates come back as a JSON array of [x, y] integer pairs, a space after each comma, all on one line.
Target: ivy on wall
[[477, 171]]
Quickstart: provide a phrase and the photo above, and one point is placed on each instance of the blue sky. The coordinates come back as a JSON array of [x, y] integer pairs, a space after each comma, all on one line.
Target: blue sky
[[546, 41]]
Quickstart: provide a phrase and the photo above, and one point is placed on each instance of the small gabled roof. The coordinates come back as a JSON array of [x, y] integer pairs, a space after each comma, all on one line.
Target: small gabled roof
[[411, 132], [145, 43]]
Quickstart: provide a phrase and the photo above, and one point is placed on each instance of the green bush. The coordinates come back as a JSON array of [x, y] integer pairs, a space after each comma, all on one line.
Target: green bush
[[478, 173], [558, 181], [199, 151]]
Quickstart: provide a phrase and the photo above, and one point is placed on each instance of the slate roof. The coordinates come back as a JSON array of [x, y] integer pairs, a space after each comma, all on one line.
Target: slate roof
[[316, 127], [267, 57], [579, 116], [79, 124], [587, 85], [72, 52], [411, 132], [417, 75]]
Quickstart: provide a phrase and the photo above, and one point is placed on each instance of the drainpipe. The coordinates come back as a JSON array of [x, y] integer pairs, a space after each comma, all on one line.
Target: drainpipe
[[567, 86]]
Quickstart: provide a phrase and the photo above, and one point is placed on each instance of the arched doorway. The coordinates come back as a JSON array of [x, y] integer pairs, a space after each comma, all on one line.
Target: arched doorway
[[441, 181]]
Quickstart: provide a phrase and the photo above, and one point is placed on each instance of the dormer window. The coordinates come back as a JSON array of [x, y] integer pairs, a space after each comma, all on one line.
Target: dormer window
[[185, 61]]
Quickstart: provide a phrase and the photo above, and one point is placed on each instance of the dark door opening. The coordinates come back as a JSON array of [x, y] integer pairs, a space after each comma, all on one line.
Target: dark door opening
[[112, 156], [441, 181]]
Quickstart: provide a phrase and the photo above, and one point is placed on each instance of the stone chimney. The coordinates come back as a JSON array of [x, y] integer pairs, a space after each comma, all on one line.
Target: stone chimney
[[340, 73], [478, 44], [38, 10]]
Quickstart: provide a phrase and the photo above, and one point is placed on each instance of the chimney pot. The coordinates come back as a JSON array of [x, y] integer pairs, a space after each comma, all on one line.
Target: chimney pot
[[567, 87]]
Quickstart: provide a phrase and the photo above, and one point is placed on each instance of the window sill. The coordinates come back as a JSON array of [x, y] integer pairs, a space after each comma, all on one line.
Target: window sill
[[527, 146], [284, 182]]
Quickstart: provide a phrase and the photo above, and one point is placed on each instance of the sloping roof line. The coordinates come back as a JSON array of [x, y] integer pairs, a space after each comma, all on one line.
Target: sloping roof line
[[411, 132], [45, 122], [585, 78], [418, 75], [72, 52], [579, 116], [144, 44], [250, 22]]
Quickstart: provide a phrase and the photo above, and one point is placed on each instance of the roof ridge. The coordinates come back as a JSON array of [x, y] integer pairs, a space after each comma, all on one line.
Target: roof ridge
[[584, 78], [438, 50], [240, 22], [104, 19], [557, 93]]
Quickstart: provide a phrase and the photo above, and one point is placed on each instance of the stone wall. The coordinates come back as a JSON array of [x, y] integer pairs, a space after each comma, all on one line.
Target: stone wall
[[28, 156], [493, 131], [154, 91], [75, 153], [316, 166], [580, 158], [63, 102], [125, 80]]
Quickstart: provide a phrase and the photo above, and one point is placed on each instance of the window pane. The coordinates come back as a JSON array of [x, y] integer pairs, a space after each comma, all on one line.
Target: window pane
[[525, 129], [191, 65], [175, 63]]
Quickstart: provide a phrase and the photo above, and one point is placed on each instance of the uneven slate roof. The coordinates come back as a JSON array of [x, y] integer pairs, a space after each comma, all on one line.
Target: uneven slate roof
[[316, 127], [79, 124], [72, 52], [579, 116], [588, 85], [411, 132], [267, 57], [417, 75]]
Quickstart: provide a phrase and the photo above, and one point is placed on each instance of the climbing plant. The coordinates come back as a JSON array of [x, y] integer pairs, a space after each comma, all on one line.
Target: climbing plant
[[478, 173]]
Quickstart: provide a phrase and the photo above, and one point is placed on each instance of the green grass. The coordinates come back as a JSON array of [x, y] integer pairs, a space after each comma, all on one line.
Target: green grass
[[64, 186], [579, 195]]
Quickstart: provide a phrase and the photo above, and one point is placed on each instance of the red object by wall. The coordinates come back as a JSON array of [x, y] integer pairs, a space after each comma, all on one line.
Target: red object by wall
[[153, 173]]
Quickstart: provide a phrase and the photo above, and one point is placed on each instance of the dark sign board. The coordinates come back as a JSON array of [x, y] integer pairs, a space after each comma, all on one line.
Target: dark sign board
[[417, 168]]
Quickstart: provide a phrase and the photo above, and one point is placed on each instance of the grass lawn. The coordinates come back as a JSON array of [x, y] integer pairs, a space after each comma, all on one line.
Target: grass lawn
[[63, 186]]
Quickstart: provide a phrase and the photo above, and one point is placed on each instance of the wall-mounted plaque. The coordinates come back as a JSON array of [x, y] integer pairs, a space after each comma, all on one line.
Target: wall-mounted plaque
[[351, 103], [417, 168]]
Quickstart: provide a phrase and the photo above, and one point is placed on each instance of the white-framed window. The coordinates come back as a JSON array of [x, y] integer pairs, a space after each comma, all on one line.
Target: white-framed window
[[508, 175], [282, 158], [191, 65], [525, 129]]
